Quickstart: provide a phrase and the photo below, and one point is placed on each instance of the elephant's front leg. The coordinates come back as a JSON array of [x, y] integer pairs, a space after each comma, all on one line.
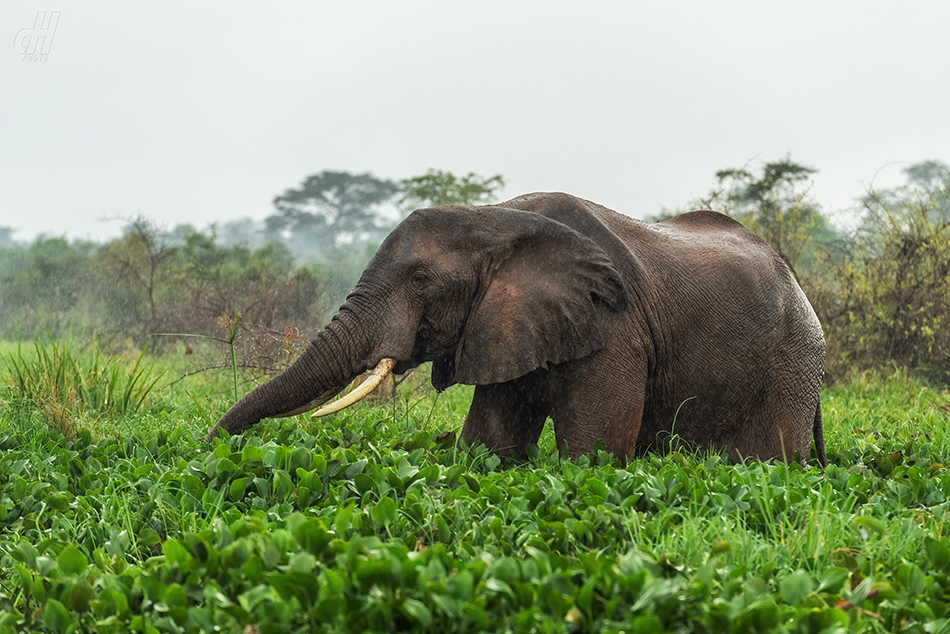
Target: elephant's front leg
[[507, 417]]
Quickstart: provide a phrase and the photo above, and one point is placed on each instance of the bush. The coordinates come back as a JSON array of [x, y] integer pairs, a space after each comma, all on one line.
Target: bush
[[890, 302], [141, 285]]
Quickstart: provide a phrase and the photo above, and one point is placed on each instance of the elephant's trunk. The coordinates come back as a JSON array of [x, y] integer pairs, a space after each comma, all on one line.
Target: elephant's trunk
[[334, 358]]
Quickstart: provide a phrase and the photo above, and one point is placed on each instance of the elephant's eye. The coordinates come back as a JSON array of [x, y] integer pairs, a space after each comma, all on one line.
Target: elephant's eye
[[420, 280]]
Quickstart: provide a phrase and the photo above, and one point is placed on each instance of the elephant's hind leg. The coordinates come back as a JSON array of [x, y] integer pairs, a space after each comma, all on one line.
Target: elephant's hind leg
[[507, 417]]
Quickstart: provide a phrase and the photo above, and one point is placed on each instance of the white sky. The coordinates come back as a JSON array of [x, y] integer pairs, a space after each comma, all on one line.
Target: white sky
[[204, 111]]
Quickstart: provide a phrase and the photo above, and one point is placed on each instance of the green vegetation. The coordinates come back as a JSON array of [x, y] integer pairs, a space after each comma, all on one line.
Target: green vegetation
[[67, 387], [373, 521], [114, 517]]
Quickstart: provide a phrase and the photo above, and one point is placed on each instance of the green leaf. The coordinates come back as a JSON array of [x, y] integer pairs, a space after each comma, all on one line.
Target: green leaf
[[238, 487], [356, 467], [72, 561], [472, 482], [251, 454], [912, 578], [647, 624], [938, 552], [148, 538], [417, 611], [796, 587], [55, 616], [175, 553], [384, 512], [867, 521], [833, 580], [405, 470], [301, 458], [313, 536]]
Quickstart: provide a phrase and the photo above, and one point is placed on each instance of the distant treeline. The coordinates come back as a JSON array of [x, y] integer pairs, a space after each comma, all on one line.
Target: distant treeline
[[879, 276], [259, 284]]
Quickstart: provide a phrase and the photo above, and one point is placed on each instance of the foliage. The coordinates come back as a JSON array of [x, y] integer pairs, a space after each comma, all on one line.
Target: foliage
[[893, 295], [259, 288], [6, 237], [141, 285], [371, 523], [41, 286], [437, 187]]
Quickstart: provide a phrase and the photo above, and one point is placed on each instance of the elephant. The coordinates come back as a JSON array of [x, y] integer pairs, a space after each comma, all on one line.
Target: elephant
[[637, 335]]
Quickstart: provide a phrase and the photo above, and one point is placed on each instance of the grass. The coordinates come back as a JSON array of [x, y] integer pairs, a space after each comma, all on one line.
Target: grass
[[368, 521]]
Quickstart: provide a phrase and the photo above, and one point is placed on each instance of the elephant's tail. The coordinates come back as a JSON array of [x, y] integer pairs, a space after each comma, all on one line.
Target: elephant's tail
[[819, 438]]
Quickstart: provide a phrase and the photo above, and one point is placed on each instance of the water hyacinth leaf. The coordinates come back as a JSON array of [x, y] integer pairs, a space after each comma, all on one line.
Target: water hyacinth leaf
[[301, 458], [175, 595], [796, 587], [912, 578], [384, 512], [118, 544], [472, 483], [418, 612], [71, 561], [175, 553], [224, 467], [148, 538], [310, 479], [56, 617], [283, 486], [303, 498], [356, 467], [646, 624], [251, 454], [237, 489], [364, 482], [405, 470], [938, 552], [57, 501], [833, 580]]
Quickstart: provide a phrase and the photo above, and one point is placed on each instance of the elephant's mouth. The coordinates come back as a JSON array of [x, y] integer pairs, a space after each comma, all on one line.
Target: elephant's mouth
[[430, 345], [402, 367]]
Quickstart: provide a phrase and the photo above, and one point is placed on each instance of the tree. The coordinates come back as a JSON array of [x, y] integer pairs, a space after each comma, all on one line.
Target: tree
[[6, 237], [135, 270], [330, 209], [42, 286], [894, 295], [444, 188]]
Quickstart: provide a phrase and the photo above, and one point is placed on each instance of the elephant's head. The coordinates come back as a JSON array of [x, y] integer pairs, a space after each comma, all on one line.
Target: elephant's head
[[487, 294]]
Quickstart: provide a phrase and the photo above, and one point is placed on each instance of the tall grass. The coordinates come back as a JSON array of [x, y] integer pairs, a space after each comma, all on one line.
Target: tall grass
[[67, 386]]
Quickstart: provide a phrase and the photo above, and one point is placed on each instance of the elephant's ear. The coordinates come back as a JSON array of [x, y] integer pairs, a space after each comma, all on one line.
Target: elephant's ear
[[542, 302]]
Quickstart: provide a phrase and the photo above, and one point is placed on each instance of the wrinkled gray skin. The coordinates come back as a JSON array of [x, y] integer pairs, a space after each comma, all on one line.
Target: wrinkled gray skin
[[621, 331]]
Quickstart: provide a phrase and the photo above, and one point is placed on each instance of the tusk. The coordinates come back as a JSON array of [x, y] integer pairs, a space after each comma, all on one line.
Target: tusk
[[379, 373], [317, 402]]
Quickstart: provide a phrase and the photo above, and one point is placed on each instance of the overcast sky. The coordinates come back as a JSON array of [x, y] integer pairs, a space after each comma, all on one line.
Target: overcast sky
[[204, 111]]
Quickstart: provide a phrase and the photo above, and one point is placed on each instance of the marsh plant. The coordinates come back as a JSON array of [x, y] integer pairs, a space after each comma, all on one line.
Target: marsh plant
[[67, 386]]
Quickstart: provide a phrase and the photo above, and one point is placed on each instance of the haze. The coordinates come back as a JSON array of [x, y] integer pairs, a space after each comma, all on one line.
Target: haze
[[197, 113]]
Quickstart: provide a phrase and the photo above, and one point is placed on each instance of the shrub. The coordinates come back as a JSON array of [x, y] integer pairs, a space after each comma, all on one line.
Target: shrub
[[890, 301]]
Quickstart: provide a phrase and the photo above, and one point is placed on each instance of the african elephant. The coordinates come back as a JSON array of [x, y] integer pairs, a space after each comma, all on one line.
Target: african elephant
[[622, 331]]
